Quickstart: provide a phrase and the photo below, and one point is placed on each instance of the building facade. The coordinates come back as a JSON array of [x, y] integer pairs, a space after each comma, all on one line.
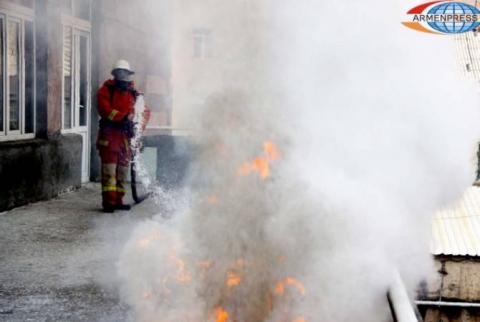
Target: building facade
[[54, 54], [215, 47], [453, 293]]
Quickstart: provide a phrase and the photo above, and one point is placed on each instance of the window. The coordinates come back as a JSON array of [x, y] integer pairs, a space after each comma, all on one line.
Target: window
[[13, 74], [202, 43], [76, 85], [17, 77], [76, 73], [2, 78], [67, 77], [29, 77], [83, 81]]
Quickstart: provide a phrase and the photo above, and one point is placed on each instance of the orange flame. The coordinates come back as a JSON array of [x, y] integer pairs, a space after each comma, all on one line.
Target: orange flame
[[205, 264], [183, 275], [280, 287], [299, 319], [221, 315], [261, 164], [147, 240], [271, 151], [233, 279]]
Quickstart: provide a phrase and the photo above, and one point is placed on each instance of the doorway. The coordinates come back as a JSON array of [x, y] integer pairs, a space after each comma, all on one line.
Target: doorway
[[76, 90]]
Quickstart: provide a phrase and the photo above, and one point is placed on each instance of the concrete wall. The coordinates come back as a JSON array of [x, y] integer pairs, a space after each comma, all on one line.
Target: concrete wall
[[54, 62], [461, 280], [233, 53], [38, 169], [457, 280], [174, 156], [452, 315], [137, 31], [41, 168]]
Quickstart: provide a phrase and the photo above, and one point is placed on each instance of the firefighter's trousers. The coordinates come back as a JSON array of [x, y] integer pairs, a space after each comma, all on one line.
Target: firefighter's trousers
[[115, 165]]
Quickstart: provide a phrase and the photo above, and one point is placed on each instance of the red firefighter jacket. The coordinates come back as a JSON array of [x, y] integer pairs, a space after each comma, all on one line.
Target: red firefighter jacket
[[114, 105]]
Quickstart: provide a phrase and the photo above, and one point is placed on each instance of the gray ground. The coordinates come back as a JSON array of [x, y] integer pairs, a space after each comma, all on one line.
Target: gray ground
[[57, 259]]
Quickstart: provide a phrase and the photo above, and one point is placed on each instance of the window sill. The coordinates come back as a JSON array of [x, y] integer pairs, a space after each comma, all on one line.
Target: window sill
[[16, 137], [75, 130]]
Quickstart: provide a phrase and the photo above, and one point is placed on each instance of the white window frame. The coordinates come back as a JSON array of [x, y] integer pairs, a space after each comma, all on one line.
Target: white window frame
[[204, 38], [16, 13], [78, 27], [21, 79], [72, 71]]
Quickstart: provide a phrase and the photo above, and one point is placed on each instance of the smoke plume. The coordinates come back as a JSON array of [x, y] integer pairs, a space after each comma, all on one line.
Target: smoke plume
[[309, 191]]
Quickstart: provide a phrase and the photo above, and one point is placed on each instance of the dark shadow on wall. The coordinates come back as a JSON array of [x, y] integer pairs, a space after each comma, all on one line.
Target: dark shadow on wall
[[38, 169]]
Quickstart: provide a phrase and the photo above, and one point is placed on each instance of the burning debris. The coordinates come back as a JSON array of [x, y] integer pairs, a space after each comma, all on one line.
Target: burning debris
[[312, 180], [222, 261], [261, 164], [306, 219], [221, 315]]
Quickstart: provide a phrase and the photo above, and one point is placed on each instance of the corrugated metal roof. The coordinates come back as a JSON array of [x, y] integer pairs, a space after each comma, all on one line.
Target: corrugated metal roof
[[456, 230]]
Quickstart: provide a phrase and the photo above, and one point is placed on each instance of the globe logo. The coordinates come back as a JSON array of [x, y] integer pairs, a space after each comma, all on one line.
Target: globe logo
[[453, 17]]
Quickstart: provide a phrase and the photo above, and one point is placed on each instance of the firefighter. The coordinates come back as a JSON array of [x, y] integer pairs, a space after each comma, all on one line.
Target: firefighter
[[116, 100]]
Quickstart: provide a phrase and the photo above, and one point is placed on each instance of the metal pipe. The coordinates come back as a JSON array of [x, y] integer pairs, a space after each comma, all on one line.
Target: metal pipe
[[400, 304], [452, 304]]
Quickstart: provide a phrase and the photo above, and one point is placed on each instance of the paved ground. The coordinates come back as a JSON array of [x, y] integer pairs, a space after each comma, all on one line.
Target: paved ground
[[57, 259]]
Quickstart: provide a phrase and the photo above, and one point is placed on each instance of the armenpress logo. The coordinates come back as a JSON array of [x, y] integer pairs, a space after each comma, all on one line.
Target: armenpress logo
[[443, 17]]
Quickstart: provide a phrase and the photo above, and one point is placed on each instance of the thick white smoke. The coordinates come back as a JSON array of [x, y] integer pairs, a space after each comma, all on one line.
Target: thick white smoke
[[374, 130]]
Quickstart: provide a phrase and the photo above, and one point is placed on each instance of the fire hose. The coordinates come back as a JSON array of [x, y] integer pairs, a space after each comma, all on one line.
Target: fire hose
[[137, 196]]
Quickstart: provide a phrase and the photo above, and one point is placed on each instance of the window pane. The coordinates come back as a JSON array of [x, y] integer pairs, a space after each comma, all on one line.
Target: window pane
[[201, 43], [67, 78], [2, 58], [83, 81], [29, 80], [13, 49]]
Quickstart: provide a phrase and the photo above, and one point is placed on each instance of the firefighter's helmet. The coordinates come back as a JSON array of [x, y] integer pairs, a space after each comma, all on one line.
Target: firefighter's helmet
[[122, 64]]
